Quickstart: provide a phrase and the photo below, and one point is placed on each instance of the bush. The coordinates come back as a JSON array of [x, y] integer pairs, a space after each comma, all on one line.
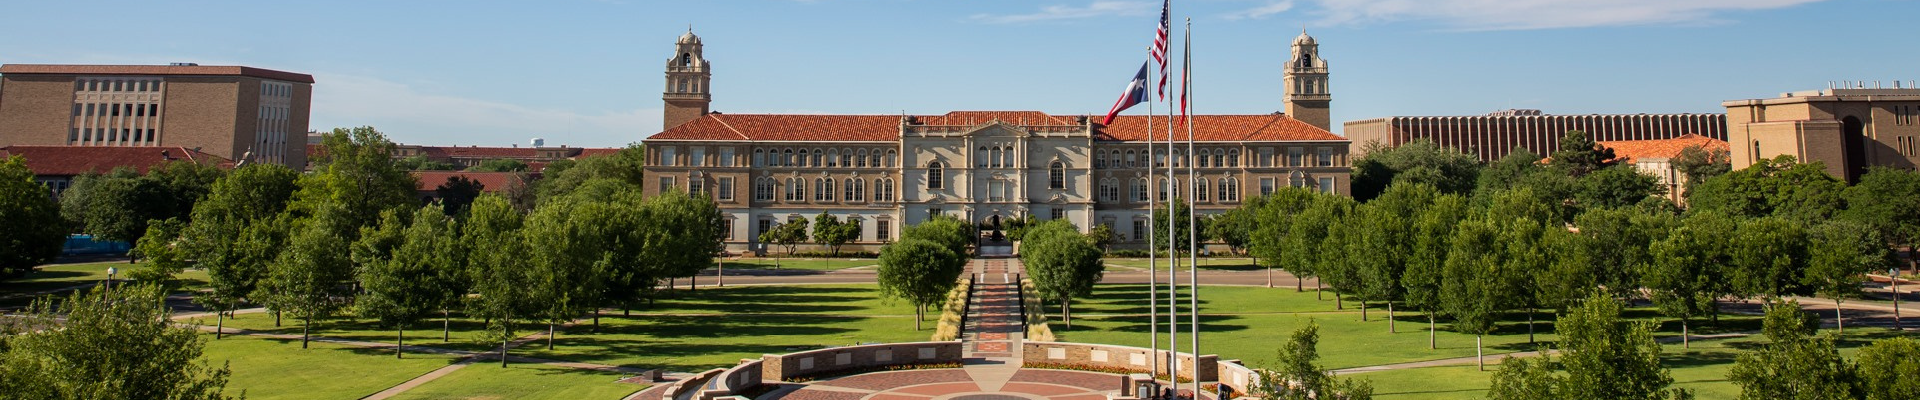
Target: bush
[[1037, 329], [953, 312], [843, 254]]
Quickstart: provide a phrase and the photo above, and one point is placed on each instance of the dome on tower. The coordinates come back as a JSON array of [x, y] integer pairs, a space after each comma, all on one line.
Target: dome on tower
[[689, 38], [1303, 39]]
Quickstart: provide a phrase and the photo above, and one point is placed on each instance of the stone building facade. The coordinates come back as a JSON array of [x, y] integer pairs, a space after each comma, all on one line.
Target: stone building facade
[[237, 113], [1848, 128], [890, 171]]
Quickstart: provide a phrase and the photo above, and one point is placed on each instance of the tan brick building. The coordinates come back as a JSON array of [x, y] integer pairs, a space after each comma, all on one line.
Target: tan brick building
[[1494, 135], [236, 113], [1848, 128], [889, 171]]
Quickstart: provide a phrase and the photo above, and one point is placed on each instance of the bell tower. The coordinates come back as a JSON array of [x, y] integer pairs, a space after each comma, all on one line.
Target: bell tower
[[688, 74], [1308, 97]]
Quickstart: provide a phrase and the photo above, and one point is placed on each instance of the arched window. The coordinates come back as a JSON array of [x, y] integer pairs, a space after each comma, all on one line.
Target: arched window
[[1130, 158], [1105, 185], [859, 190], [846, 158], [759, 158], [1219, 158], [1099, 159], [1160, 159], [862, 159], [825, 191], [1233, 158], [1057, 175], [833, 158], [763, 189], [935, 175], [981, 157], [816, 159], [883, 189], [1202, 160], [786, 160], [890, 159], [1229, 189], [993, 157], [1140, 190], [1163, 190], [1009, 158], [1200, 190]]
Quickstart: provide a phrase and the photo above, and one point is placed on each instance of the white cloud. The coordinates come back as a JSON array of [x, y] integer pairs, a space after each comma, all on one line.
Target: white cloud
[[1098, 8], [1538, 14], [410, 116], [1271, 8]]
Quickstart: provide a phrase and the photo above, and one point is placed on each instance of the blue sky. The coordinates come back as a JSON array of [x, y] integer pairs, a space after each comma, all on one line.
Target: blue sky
[[588, 73]]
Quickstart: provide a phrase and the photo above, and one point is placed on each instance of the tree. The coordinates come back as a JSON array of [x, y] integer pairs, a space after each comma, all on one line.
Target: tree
[[237, 231], [407, 284], [111, 344], [1602, 360], [1779, 187], [1769, 258], [184, 183], [560, 178], [947, 231], [358, 176], [1478, 281], [918, 271], [420, 162], [35, 230], [499, 165], [115, 206], [566, 240], [1887, 368], [831, 233], [1375, 244], [1426, 262], [1616, 243], [1235, 227], [1698, 164], [1887, 199], [457, 193], [1101, 236], [310, 276], [1841, 253], [1295, 376], [499, 268], [163, 249], [1180, 226], [1273, 220], [1062, 263], [1416, 162], [1306, 233], [1580, 155], [1616, 186], [1685, 272], [1795, 364], [687, 234], [789, 235]]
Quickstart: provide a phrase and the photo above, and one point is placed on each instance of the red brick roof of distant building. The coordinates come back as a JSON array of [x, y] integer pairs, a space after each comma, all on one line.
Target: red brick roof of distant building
[[189, 70], [490, 182], [478, 152], [886, 128], [79, 160], [1628, 150]]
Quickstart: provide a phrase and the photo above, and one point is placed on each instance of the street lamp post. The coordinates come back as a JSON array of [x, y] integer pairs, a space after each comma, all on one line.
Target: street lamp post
[[110, 272]]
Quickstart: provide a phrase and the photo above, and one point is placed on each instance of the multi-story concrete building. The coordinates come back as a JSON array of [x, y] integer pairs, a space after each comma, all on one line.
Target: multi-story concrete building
[[889, 171], [1494, 135], [237, 113], [1849, 128]]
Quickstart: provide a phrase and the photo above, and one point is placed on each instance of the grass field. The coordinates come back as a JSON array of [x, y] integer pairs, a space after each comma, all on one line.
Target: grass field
[[805, 264], [52, 277], [280, 369], [1702, 369], [490, 381], [1206, 263]]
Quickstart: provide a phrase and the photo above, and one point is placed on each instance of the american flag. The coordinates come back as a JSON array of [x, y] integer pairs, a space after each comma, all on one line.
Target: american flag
[[1159, 49]]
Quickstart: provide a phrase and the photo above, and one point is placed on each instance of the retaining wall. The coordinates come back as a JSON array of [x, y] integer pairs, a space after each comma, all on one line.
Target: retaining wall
[[1134, 359], [780, 367]]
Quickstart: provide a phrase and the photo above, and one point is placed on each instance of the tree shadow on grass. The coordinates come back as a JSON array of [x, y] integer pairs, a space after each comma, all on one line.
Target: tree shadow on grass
[[1139, 324], [761, 299]]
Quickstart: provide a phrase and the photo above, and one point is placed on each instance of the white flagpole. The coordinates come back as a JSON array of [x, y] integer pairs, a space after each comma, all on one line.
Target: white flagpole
[[1153, 289], [1173, 259], [1193, 233]]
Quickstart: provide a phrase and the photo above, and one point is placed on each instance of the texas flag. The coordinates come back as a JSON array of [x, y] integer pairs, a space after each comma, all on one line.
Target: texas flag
[[1136, 93]]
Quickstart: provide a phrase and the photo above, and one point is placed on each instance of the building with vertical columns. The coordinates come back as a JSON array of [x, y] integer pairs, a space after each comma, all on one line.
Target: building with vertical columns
[[1493, 136], [236, 113], [1847, 128], [885, 172]]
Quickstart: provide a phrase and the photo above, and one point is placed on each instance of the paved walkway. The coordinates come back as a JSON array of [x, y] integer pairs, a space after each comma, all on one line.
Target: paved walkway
[[995, 323]]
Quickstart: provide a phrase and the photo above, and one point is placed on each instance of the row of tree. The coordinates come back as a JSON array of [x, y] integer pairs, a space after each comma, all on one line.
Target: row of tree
[[827, 231], [925, 264], [1063, 263]]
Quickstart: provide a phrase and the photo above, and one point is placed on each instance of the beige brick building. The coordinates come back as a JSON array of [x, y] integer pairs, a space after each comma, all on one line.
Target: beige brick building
[[1848, 128], [228, 111], [1494, 135], [889, 171]]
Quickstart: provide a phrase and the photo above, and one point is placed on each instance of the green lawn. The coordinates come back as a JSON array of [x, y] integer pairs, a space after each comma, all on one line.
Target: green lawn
[[1702, 369], [54, 277], [489, 381], [805, 264], [280, 369], [1206, 263], [463, 333]]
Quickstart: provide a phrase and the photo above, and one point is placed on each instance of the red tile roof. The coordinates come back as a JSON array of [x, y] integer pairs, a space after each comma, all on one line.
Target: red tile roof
[[886, 128], [478, 152], [227, 70], [490, 182], [1628, 150], [78, 160]]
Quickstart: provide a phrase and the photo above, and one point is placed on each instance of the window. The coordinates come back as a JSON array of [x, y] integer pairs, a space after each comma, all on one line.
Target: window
[[1233, 158], [786, 160], [1297, 179], [1057, 213], [795, 190], [1104, 187], [1202, 161], [882, 230], [765, 225], [994, 156], [697, 157], [822, 189], [1295, 157], [1200, 191], [862, 159], [1326, 184], [696, 186], [933, 212], [1325, 158], [759, 158], [890, 159], [1099, 157], [934, 175], [1009, 155], [1229, 189], [666, 156], [1159, 158], [1140, 190], [727, 226], [1163, 190], [981, 156], [883, 190], [726, 157], [816, 159], [1139, 229], [846, 158], [996, 190], [1130, 160], [666, 183], [1266, 186], [725, 187], [1057, 175], [859, 189], [833, 158]]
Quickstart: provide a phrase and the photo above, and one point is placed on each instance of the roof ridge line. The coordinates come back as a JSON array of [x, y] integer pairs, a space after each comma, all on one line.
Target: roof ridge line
[[736, 131]]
